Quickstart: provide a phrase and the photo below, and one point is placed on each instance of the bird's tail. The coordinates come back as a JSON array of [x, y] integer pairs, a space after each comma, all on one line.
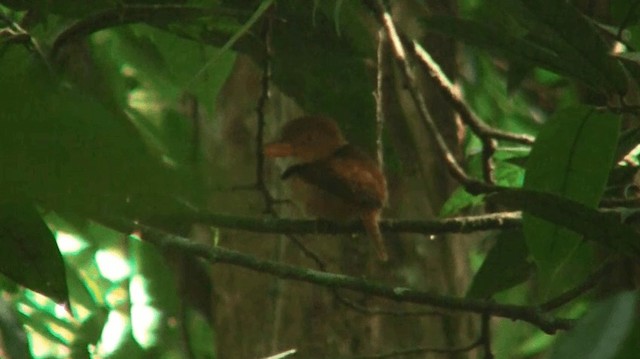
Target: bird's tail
[[370, 222]]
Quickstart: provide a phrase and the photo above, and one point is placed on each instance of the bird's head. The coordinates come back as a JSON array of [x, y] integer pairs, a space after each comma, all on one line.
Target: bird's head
[[307, 139]]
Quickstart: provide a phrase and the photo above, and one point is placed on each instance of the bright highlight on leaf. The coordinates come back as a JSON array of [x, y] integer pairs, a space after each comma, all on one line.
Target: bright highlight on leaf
[[112, 265], [70, 244], [146, 321], [114, 333]]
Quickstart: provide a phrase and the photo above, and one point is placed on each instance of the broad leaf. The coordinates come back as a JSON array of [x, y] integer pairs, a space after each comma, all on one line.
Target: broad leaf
[[65, 148], [572, 157], [28, 251], [153, 294], [459, 200], [553, 36], [505, 266], [601, 227], [14, 338], [599, 334], [496, 40], [577, 41]]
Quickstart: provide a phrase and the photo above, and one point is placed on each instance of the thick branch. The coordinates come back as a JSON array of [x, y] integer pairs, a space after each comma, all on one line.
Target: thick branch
[[532, 315]]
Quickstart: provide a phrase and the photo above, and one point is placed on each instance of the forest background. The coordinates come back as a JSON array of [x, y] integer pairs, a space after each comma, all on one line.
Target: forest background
[[139, 218]]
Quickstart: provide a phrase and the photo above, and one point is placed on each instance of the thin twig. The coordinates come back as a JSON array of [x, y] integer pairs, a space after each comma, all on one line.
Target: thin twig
[[477, 125], [610, 202], [421, 350], [488, 168], [19, 35], [485, 335], [260, 115], [387, 312], [382, 79], [472, 185], [308, 253], [529, 314]]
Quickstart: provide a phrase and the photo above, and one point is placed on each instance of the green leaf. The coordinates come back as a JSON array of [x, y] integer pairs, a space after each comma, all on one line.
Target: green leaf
[[67, 149], [573, 154], [599, 334], [629, 348], [153, 294], [201, 335], [555, 37], [601, 227], [496, 40], [28, 251], [459, 200], [89, 331], [505, 266], [628, 141], [622, 10], [518, 72], [577, 41], [572, 157], [14, 338]]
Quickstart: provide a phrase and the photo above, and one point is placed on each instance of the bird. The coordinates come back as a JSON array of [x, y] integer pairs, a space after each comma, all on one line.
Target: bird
[[329, 177]]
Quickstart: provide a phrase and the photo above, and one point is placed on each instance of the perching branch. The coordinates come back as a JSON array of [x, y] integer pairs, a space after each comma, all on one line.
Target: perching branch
[[545, 322], [468, 224]]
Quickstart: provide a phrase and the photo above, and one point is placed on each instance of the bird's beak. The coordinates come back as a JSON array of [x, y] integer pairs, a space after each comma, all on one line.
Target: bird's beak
[[278, 149]]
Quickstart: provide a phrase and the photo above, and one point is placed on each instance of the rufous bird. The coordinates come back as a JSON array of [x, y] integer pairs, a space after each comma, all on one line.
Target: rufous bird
[[331, 178]]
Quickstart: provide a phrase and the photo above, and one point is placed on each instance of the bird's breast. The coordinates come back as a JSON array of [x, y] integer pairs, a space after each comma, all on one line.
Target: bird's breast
[[319, 203]]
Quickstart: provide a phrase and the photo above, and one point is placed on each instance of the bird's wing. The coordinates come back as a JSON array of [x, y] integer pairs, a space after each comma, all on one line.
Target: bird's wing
[[348, 174]]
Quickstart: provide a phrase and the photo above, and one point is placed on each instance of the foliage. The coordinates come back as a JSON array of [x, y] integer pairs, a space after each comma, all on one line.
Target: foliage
[[92, 101]]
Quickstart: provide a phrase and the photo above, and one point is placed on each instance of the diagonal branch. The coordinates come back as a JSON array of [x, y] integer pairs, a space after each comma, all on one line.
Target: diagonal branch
[[15, 33], [477, 125], [529, 314], [470, 184], [485, 133]]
